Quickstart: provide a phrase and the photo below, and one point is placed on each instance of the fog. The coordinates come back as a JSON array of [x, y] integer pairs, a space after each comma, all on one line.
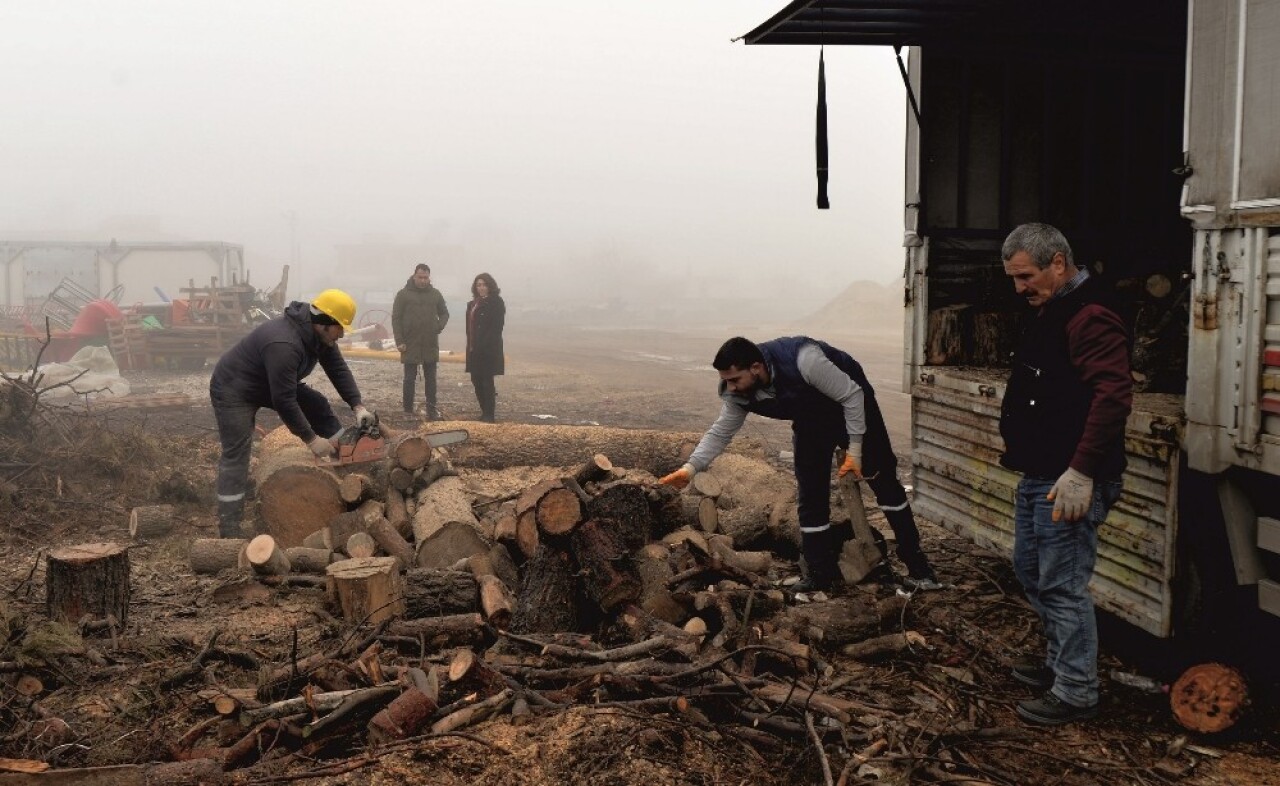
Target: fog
[[591, 153]]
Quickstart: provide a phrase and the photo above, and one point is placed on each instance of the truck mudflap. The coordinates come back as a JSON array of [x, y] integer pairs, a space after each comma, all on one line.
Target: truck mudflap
[[960, 485]]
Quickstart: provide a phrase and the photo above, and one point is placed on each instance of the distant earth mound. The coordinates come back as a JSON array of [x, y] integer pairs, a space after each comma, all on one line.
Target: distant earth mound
[[867, 304]]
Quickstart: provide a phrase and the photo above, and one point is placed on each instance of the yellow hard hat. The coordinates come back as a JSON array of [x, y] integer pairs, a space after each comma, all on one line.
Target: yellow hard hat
[[338, 305]]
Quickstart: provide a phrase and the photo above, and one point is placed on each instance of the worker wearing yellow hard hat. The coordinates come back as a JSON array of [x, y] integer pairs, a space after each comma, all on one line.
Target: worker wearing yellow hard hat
[[266, 369]]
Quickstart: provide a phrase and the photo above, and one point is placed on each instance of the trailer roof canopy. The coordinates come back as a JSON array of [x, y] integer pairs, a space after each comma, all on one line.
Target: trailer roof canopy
[[1129, 25], [889, 22]]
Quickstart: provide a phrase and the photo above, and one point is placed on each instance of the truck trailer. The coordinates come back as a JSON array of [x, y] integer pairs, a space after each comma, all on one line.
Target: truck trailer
[[1147, 132]]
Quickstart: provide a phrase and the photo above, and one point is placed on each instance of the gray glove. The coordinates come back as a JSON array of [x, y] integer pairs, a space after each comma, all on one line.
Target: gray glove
[[1071, 496], [363, 416], [322, 447]]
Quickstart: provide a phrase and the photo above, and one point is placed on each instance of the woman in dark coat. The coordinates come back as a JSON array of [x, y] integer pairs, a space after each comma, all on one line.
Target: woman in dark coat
[[486, 314]]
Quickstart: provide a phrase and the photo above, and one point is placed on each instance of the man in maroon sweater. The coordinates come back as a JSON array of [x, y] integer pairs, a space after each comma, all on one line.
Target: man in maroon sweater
[[1062, 420]]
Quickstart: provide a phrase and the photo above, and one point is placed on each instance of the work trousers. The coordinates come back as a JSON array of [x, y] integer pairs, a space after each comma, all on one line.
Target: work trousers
[[428, 385], [1054, 561], [486, 395], [814, 445], [235, 420]]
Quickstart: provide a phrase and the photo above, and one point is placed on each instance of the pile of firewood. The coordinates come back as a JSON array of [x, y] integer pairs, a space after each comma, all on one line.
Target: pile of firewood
[[598, 587]]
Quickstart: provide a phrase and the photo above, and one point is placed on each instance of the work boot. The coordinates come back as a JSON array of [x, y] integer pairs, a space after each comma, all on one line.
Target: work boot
[[1036, 675], [1049, 710], [920, 575], [433, 413], [229, 516], [818, 568]]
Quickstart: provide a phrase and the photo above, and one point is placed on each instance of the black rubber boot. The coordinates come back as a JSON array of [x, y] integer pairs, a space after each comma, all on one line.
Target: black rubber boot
[[819, 551], [229, 516]]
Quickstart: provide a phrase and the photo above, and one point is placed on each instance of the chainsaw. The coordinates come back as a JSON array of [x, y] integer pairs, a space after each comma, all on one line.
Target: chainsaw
[[372, 442]]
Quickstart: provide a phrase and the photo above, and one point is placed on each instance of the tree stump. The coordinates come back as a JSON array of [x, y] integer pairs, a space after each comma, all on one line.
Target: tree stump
[[547, 601], [148, 522], [295, 496], [211, 555], [90, 579], [368, 589]]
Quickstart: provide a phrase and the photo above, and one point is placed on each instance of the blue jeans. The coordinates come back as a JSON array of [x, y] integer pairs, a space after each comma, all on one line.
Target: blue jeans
[[1054, 561]]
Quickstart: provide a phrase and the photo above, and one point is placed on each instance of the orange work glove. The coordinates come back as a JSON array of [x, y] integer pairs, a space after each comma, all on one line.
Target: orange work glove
[[852, 461], [680, 478]]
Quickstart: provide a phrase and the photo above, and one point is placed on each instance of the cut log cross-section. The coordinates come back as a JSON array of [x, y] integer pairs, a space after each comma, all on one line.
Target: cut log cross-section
[[266, 557], [558, 511], [90, 579], [597, 468], [295, 496], [148, 522], [210, 555], [412, 452], [495, 601], [355, 488], [445, 528], [368, 589], [403, 717]]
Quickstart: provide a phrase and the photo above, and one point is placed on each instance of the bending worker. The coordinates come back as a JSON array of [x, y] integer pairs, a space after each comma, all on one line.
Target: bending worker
[[266, 369], [826, 396]]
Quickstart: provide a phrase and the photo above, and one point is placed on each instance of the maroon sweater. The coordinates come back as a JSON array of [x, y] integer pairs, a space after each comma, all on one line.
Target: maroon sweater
[[1098, 345]]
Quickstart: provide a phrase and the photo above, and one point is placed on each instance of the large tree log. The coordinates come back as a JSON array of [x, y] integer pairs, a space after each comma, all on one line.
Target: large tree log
[[444, 527], [624, 510], [455, 629], [210, 555], [295, 496], [547, 601], [747, 525], [510, 444], [604, 562], [89, 579], [432, 592], [368, 589], [148, 522]]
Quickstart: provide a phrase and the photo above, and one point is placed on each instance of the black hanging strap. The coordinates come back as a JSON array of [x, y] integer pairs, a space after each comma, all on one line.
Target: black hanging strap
[[821, 135]]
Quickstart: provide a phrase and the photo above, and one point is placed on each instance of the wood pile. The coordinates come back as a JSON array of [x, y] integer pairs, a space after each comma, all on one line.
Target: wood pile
[[597, 587]]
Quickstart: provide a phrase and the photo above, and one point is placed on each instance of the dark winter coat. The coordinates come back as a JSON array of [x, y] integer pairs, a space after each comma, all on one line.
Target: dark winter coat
[[485, 320], [266, 367], [417, 318]]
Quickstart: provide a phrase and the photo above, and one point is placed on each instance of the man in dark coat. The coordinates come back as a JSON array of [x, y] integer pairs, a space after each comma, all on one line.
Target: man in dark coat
[[418, 316], [1063, 420], [486, 316], [826, 396], [266, 369]]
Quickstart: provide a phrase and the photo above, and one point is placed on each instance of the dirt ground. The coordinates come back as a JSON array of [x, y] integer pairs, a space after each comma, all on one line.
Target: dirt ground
[[945, 709]]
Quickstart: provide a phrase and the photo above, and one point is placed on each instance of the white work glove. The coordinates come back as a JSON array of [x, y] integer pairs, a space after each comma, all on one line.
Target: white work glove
[[322, 447], [401, 347], [680, 478], [852, 461], [1071, 496], [363, 416]]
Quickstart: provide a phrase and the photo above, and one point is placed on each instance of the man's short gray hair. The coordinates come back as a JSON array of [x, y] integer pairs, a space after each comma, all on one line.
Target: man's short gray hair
[[1040, 241]]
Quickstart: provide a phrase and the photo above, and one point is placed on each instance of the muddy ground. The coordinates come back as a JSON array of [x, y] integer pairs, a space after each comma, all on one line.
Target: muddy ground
[[946, 709]]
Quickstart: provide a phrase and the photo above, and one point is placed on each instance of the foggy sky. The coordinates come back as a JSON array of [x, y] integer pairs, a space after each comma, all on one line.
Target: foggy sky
[[596, 147]]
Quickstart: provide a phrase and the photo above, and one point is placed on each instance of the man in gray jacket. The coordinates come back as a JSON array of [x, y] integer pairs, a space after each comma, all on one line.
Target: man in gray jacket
[[417, 318]]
